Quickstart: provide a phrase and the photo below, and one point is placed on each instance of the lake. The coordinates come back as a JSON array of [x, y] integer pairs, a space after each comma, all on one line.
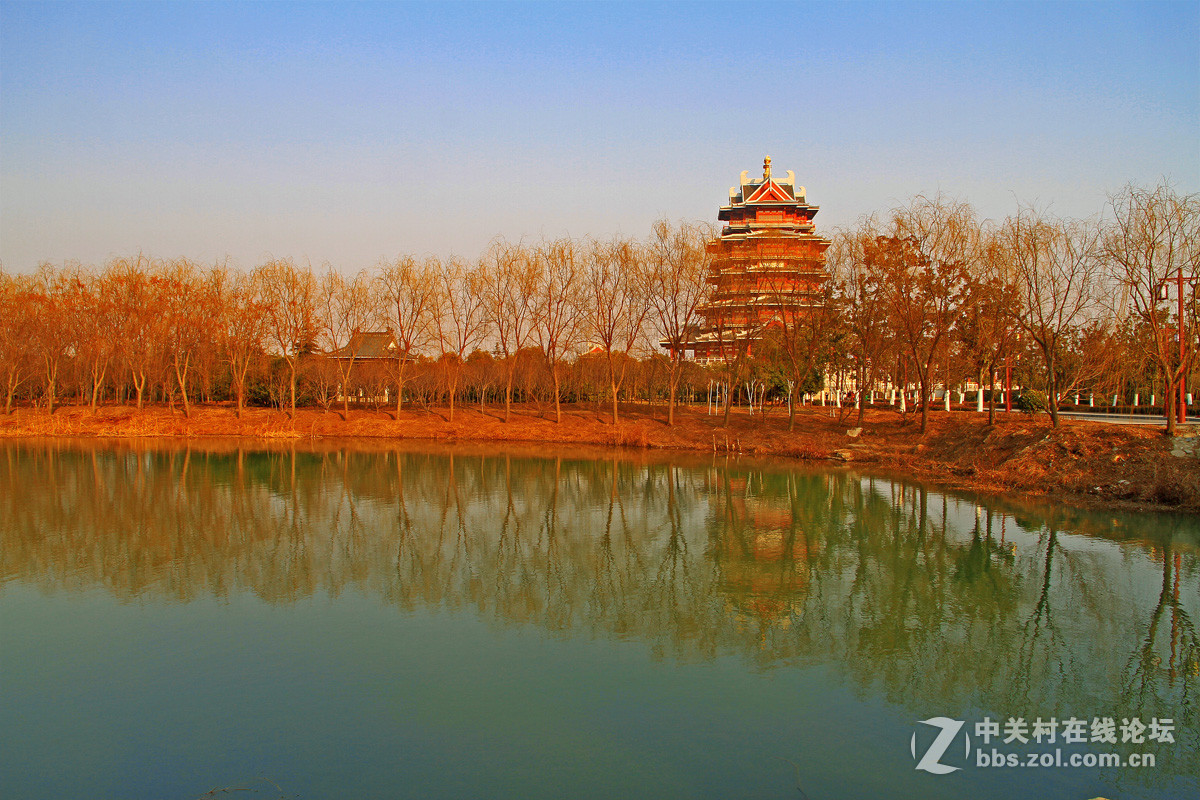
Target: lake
[[458, 621]]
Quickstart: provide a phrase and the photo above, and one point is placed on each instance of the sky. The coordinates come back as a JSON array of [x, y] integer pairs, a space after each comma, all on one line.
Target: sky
[[341, 133]]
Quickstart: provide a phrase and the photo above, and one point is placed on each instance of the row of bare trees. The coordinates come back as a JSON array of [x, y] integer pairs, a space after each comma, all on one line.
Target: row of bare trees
[[923, 296], [177, 330], [929, 295]]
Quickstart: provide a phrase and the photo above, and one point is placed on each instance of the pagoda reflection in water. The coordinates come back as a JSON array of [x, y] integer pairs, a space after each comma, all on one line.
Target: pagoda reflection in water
[[898, 586]]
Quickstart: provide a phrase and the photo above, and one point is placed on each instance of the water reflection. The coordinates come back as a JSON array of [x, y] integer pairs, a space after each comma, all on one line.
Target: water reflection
[[942, 604]]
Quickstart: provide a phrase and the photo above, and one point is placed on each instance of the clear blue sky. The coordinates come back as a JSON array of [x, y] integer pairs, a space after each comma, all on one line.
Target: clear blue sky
[[347, 132]]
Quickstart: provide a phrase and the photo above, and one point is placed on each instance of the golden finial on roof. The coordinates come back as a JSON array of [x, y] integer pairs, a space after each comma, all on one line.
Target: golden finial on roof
[[767, 168]]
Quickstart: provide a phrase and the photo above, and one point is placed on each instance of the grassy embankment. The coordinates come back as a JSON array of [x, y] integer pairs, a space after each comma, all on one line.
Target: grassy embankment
[[1087, 462]]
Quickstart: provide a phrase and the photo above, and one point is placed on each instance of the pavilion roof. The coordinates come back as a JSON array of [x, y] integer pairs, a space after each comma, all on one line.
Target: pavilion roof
[[368, 345]]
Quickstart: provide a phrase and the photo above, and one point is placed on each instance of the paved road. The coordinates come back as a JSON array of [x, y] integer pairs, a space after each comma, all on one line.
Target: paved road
[[1116, 419], [1124, 419]]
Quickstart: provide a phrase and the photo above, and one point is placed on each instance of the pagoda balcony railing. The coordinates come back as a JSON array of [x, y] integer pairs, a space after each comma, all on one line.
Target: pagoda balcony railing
[[711, 311], [779, 292], [784, 246], [784, 268], [772, 276], [792, 261], [730, 289], [799, 263], [730, 281], [752, 268], [765, 300], [716, 308]]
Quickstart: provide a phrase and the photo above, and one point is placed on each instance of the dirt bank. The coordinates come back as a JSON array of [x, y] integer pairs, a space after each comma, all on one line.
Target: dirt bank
[[1088, 463]]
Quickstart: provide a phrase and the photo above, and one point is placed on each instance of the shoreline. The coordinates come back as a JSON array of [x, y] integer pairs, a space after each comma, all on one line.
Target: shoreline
[[1089, 464]]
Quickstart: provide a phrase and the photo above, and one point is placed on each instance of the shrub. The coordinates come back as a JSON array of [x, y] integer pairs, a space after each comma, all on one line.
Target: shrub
[[1031, 401]]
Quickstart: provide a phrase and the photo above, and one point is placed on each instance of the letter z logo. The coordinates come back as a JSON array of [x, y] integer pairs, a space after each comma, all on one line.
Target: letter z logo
[[950, 728]]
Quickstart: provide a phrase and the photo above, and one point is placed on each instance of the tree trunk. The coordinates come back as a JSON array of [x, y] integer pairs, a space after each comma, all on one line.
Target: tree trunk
[[292, 387], [612, 384], [97, 380], [1051, 402], [182, 378], [507, 396], [51, 375], [991, 396], [1169, 399], [239, 379], [923, 382], [553, 374], [672, 388], [861, 379], [399, 386]]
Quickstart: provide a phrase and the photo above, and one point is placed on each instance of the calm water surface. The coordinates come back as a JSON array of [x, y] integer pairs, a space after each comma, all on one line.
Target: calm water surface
[[457, 623]]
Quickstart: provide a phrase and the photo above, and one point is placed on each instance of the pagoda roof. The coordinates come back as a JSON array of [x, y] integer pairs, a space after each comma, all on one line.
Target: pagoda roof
[[768, 191]]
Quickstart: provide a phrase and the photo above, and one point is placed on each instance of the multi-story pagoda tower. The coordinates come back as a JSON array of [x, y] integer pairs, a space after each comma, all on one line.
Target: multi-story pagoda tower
[[768, 266]]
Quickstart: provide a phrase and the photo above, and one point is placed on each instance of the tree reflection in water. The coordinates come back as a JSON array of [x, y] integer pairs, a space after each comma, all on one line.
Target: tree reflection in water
[[943, 604]]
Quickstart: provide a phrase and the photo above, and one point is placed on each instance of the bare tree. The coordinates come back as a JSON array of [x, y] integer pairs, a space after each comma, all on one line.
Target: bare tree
[[861, 289], [1154, 247], [186, 319], [674, 285], [51, 331], [561, 307], [616, 306], [96, 326], [344, 310], [139, 313], [288, 293], [925, 256], [407, 297], [988, 326], [734, 338], [1061, 279], [322, 378], [16, 321], [511, 274], [240, 326], [805, 316], [461, 318], [480, 375]]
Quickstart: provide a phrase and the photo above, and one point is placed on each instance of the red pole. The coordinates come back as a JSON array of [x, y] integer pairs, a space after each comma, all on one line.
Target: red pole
[[1007, 385], [1182, 413]]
